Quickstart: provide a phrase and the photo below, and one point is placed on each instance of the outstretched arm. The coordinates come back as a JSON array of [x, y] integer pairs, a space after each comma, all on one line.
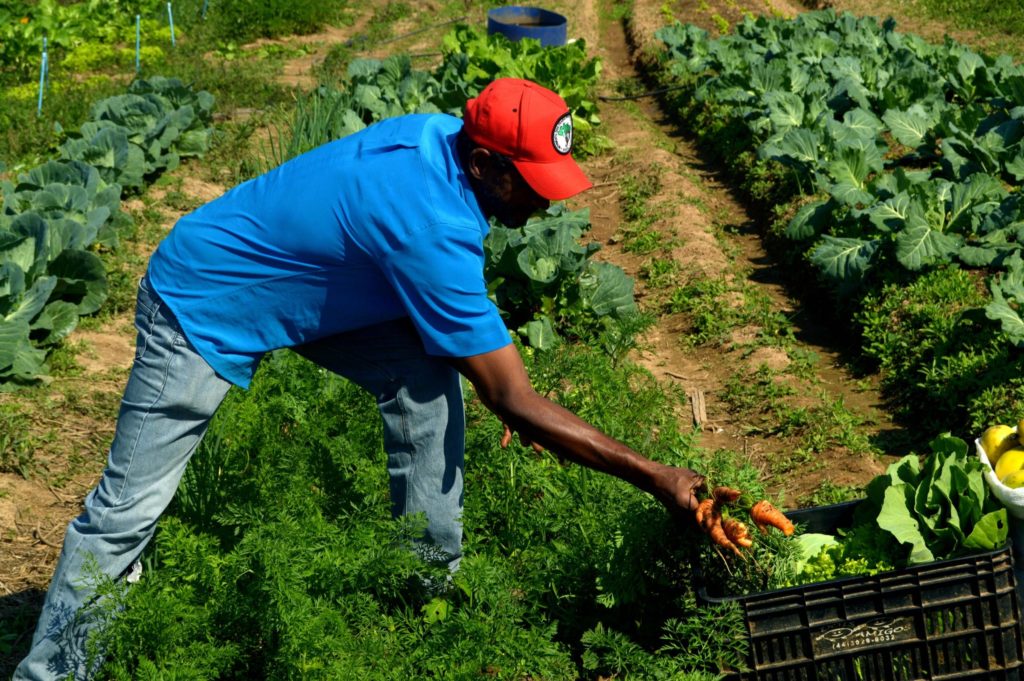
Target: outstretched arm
[[501, 382]]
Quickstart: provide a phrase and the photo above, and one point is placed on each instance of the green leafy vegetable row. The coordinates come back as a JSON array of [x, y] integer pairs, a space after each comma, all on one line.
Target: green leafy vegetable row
[[23, 25], [58, 214], [143, 133], [48, 274], [478, 58], [376, 89], [542, 278], [914, 150], [895, 166]]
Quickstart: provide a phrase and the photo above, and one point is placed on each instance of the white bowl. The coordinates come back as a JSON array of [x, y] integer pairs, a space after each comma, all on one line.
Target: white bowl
[[1012, 498]]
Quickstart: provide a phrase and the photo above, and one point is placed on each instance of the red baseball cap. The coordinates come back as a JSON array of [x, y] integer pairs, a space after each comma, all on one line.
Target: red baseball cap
[[532, 126]]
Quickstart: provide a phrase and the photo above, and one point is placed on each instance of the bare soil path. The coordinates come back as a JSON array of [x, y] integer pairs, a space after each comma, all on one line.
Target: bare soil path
[[713, 236]]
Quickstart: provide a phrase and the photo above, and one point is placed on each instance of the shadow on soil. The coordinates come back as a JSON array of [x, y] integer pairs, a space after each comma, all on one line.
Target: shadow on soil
[[18, 615]]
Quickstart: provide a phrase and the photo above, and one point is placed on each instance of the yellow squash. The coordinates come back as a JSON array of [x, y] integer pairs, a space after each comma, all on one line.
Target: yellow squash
[[1014, 479], [1012, 460], [996, 440]]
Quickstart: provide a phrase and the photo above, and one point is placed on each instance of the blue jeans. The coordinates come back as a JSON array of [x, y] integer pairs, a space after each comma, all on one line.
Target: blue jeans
[[172, 394]]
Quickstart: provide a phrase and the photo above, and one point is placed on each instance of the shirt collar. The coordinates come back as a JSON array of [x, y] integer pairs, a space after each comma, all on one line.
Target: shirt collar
[[468, 195]]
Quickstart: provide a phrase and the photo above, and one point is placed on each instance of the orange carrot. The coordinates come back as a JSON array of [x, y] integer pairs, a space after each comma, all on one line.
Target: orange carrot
[[704, 510], [718, 535], [737, 532], [764, 515], [725, 495]]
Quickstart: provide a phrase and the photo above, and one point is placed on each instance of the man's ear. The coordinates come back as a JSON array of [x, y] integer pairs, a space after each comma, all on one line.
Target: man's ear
[[480, 163]]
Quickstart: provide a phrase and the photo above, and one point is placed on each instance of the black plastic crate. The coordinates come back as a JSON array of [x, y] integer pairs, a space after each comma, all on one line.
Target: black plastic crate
[[951, 619]]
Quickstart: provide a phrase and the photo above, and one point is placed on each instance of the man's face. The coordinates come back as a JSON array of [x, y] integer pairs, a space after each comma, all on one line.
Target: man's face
[[505, 195]]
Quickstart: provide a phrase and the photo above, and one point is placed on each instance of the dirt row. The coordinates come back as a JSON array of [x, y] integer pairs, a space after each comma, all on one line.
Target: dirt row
[[717, 234]]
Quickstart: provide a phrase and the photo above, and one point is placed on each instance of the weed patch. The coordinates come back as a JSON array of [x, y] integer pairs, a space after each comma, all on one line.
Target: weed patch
[[941, 364], [638, 234], [16, 443]]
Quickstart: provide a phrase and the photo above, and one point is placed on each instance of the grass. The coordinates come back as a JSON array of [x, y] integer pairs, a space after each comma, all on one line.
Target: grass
[[50, 436], [1000, 24], [238, 152], [827, 425], [717, 307], [237, 84], [27, 139], [828, 493], [241, 21], [759, 392], [628, 86], [659, 272], [774, 405], [617, 10], [17, 441], [638, 233]]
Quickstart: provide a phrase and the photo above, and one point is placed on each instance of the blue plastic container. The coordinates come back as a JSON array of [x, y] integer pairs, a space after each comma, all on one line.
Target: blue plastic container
[[516, 23]]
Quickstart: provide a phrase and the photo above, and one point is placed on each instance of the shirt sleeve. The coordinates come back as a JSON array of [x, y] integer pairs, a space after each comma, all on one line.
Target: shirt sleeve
[[438, 275]]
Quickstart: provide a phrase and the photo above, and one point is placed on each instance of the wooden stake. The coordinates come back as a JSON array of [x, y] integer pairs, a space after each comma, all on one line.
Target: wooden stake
[[700, 415]]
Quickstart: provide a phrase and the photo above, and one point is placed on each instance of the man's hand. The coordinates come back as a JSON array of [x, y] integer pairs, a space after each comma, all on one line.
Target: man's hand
[[677, 488], [724, 531], [506, 440]]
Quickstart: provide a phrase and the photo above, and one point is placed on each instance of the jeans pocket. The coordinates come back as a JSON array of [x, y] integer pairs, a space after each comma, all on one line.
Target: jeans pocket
[[147, 307], [145, 297]]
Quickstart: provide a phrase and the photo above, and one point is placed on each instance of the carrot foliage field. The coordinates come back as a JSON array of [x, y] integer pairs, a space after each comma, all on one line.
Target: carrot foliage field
[[279, 558]]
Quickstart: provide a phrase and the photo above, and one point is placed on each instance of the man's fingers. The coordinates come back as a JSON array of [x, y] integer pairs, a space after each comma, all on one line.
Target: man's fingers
[[506, 440], [703, 510], [530, 443], [696, 484]]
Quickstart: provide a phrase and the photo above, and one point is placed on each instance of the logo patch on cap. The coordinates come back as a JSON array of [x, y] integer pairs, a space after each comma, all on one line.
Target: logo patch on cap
[[561, 136]]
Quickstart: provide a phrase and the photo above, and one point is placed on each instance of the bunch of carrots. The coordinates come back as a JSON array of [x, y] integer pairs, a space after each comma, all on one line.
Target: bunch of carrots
[[730, 533]]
